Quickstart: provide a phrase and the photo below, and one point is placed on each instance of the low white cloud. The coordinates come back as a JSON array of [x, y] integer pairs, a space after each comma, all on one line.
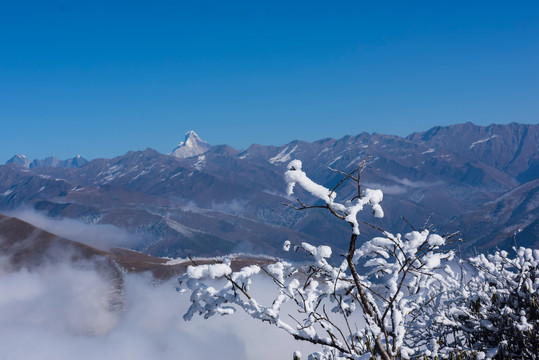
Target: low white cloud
[[192, 207], [233, 207], [414, 184], [101, 236], [401, 185], [64, 312], [61, 298], [388, 189]]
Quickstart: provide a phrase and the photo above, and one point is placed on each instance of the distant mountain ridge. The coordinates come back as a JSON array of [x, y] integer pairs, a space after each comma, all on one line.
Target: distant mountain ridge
[[213, 200], [76, 162], [511, 148]]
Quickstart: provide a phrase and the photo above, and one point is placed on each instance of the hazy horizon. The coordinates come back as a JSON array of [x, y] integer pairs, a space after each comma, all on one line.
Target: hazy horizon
[[99, 79]]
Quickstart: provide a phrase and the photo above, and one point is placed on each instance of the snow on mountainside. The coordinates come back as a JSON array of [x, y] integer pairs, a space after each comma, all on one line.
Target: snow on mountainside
[[192, 146], [214, 200], [511, 148]]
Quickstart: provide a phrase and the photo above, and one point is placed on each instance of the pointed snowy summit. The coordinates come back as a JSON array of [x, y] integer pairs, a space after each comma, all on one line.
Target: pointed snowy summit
[[193, 145], [19, 160]]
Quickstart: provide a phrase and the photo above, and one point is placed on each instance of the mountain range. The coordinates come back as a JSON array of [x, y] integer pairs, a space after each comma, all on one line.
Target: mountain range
[[212, 200]]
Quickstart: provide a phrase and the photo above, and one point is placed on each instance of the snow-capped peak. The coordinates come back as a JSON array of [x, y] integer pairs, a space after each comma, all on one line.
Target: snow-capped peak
[[193, 145], [20, 160]]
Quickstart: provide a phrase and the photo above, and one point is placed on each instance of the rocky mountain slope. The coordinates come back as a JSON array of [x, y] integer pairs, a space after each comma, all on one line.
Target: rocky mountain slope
[[222, 200], [25, 246]]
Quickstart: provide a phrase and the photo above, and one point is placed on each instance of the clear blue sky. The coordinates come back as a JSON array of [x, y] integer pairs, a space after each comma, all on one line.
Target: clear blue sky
[[100, 78]]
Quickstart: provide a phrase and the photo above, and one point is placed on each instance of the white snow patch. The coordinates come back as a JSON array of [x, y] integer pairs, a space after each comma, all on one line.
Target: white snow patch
[[335, 160], [111, 173], [179, 228], [143, 172], [482, 141], [322, 151], [283, 156], [355, 162], [431, 150], [201, 161]]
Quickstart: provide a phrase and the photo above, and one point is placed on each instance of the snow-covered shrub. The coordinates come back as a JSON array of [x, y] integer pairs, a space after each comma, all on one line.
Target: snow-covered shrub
[[491, 312], [499, 314], [351, 315], [393, 296]]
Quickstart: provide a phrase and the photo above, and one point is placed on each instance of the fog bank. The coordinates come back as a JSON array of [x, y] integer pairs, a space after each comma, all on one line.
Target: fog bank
[[65, 312]]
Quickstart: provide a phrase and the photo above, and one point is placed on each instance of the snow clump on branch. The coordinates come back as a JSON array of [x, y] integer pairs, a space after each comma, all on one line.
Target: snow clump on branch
[[348, 210]]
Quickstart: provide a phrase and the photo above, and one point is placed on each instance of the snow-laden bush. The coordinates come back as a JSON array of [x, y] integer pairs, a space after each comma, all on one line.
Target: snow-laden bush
[[393, 296], [499, 306]]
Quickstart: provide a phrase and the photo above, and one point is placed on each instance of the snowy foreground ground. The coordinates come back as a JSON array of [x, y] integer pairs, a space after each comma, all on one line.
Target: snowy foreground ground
[[60, 312]]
